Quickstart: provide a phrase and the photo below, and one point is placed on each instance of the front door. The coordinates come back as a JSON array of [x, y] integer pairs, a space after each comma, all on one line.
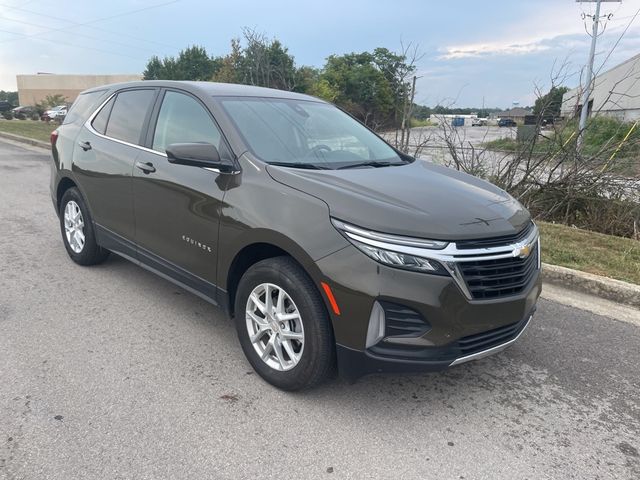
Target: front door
[[177, 207]]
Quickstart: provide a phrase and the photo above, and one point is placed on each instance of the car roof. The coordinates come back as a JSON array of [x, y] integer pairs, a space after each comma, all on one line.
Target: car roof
[[214, 89]]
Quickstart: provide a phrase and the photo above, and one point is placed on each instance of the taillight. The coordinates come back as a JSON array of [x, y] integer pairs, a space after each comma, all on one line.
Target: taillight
[[54, 138]]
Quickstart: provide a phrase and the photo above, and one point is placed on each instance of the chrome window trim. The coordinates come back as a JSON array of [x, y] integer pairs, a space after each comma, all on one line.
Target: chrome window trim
[[88, 125], [449, 256]]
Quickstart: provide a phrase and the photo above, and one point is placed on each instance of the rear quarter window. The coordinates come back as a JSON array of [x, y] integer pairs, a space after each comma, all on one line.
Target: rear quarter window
[[83, 106]]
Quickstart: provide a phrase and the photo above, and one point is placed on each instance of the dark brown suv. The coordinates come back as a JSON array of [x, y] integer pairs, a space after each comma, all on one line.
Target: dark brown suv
[[327, 246]]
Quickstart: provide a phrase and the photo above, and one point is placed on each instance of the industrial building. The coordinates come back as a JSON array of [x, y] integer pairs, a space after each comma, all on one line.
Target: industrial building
[[517, 114], [33, 89], [615, 93]]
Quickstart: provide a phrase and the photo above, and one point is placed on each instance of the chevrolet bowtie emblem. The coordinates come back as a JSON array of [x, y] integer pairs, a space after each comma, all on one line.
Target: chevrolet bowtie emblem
[[522, 252]]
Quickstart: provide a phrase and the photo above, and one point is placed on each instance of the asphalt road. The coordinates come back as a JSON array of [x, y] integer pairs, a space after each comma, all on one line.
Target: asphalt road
[[109, 372]]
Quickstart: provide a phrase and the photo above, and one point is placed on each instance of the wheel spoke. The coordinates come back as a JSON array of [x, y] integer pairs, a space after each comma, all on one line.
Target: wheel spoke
[[256, 301], [293, 336], [280, 302], [267, 349], [290, 351], [258, 320], [285, 317], [268, 302], [80, 239], [258, 335], [277, 347]]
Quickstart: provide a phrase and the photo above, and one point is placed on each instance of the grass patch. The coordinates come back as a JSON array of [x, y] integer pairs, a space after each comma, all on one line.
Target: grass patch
[[613, 257], [502, 144], [421, 123], [28, 128]]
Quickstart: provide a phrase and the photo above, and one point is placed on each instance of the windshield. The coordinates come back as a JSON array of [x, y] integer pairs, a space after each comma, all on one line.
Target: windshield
[[306, 134]]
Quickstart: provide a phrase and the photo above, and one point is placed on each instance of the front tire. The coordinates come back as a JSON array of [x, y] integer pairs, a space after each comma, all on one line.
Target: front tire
[[283, 326], [77, 230]]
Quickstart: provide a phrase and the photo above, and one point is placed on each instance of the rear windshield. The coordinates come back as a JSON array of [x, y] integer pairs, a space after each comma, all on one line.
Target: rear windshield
[[82, 107], [305, 132]]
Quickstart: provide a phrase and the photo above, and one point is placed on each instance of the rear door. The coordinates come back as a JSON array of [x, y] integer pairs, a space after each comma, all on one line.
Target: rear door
[[104, 155], [177, 207]]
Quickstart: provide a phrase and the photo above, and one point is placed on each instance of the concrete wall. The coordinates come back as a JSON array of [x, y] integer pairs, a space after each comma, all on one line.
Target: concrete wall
[[616, 93], [35, 88]]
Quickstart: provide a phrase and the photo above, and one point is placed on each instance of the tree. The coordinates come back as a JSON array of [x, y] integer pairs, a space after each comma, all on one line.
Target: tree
[[360, 87], [192, 63], [261, 62], [11, 97], [549, 105]]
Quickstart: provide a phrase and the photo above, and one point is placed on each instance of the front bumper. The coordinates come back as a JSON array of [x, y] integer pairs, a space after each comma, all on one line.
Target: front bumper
[[355, 364], [456, 329]]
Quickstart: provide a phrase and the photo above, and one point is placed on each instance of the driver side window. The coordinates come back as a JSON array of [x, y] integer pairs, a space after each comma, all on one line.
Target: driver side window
[[182, 119]]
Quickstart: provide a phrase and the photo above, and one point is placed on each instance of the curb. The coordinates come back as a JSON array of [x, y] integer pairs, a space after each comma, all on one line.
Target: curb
[[28, 141], [596, 285]]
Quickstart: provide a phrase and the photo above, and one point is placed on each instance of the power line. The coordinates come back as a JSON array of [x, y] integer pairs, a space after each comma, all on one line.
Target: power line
[[62, 42], [633, 17], [76, 34], [97, 20], [74, 23]]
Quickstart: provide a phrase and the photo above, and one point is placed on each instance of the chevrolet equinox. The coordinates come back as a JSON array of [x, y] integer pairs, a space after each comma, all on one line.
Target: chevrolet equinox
[[327, 246]]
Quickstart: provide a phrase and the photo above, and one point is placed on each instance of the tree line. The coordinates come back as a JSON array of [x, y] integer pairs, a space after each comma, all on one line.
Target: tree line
[[375, 87]]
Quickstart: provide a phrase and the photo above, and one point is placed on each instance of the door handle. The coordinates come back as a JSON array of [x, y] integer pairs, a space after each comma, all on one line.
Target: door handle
[[146, 167], [85, 145]]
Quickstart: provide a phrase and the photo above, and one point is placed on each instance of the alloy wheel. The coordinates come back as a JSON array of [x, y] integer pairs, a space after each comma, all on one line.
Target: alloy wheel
[[74, 226], [275, 326]]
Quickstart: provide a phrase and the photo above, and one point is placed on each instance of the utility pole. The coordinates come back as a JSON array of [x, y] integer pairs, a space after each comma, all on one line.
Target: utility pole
[[586, 93]]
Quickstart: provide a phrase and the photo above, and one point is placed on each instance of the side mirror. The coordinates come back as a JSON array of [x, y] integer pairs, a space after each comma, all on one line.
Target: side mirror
[[198, 155]]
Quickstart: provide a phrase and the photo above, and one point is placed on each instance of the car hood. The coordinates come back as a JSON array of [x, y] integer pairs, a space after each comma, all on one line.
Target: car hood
[[419, 199]]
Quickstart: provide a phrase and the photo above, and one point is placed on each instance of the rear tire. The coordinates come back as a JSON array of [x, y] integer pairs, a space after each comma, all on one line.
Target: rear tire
[[78, 234], [296, 339]]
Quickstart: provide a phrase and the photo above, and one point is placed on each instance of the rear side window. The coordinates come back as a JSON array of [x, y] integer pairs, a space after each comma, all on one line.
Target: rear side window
[[182, 119], [99, 123], [83, 106], [128, 115]]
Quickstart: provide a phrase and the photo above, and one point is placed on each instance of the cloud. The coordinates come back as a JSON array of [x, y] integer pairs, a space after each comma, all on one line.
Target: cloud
[[489, 49]]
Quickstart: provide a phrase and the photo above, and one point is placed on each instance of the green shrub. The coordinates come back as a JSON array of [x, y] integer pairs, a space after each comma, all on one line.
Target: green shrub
[[7, 115], [35, 117], [20, 116]]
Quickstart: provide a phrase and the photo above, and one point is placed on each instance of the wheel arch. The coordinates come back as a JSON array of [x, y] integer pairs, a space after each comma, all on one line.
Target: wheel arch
[[265, 244], [64, 184]]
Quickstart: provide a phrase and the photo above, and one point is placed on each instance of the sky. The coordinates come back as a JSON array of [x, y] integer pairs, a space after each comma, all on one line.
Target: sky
[[491, 53]]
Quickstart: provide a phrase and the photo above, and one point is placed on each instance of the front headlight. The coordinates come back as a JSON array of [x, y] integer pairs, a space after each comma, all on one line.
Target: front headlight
[[393, 250]]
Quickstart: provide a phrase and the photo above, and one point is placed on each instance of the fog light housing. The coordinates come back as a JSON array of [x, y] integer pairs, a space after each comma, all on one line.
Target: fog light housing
[[376, 329]]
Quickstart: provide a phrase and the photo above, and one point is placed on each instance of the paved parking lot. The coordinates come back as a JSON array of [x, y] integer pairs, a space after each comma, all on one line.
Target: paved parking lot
[[109, 372]]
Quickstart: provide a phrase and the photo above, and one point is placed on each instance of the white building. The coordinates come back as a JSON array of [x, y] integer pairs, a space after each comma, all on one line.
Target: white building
[[616, 93]]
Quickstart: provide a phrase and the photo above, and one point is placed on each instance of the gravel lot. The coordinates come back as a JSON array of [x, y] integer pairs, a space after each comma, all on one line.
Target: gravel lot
[[110, 372]]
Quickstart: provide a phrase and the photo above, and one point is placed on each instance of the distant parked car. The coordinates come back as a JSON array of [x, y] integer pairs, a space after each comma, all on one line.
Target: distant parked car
[[26, 110], [58, 112], [507, 122], [5, 106], [478, 122]]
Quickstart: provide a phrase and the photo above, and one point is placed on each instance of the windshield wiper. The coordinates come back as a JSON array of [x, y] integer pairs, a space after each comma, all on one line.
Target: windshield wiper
[[308, 166], [371, 164]]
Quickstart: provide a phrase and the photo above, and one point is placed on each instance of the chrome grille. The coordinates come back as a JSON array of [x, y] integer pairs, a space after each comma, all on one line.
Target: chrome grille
[[501, 277]]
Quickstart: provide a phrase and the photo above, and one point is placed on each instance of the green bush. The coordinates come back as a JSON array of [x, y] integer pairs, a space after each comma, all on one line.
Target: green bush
[[7, 115], [20, 116], [35, 117]]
